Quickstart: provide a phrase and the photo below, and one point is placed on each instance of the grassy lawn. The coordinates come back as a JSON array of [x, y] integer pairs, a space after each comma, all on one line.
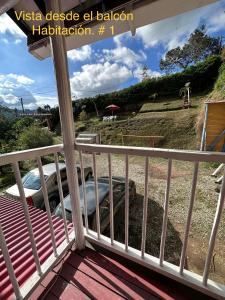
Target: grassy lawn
[[168, 104], [177, 128], [164, 118]]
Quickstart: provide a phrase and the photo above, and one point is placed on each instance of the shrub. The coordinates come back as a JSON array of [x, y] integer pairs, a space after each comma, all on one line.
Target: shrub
[[83, 116], [223, 54], [218, 92], [35, 137]]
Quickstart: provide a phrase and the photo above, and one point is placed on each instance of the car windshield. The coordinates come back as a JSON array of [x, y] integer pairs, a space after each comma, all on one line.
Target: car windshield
[[32, 181]]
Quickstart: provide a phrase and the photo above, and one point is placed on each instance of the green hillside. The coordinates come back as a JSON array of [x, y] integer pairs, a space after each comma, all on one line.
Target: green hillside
[[163, 116], [176, 126], [219, 88]]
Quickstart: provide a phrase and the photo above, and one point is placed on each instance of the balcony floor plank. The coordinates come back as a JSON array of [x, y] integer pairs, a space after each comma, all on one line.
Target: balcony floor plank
[[91, 274]]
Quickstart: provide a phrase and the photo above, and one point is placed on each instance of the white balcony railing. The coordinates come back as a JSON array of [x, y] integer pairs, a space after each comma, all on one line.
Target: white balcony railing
[[179, 273], [41, 270]]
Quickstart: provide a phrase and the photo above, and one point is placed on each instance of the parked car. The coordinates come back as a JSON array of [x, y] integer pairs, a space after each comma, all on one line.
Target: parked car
[[33, 190], [104, 202]]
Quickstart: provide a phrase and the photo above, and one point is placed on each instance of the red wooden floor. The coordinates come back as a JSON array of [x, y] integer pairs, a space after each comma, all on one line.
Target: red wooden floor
[[89, 274]]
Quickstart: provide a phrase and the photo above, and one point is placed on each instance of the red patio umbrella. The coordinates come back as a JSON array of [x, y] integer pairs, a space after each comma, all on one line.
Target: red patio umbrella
[[113, 107]]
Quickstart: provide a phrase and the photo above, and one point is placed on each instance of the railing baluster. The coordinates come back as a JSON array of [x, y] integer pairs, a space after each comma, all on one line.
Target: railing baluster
[[126, 202], [188, 224], [9, 265], [16, 170], [59, 182], [111, 200], [84, 190], [96, 196], [215, 227], [47, 207], [145, 209], [165, 214]]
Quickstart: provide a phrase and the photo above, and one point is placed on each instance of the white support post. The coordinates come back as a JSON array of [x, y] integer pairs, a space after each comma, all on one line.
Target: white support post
[[59, 55], [189, 100], [203, 139], [126, 202], [47, 207], [215, 227], [165, 214], [111, 199], [84, 191], [218, 170], [19, 182], [98, 225], [9, 265], [145, 209], [59, 183], [189, 216]]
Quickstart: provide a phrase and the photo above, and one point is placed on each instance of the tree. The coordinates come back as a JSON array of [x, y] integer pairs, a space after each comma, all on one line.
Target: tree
[[35, 137], [47, 107], [223, 54], [176, 58], [198, 47], [83, 116], [4, 128], [55, 119], [21, 124], [41, 110]]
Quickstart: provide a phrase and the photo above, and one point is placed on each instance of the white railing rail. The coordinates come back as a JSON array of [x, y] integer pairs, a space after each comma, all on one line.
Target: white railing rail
[[183, 155], [13, 159], [31, 154], [180, 274]]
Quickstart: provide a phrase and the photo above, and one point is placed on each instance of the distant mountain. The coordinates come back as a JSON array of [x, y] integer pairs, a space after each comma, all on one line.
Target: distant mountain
[[7, 113], [11, 114]]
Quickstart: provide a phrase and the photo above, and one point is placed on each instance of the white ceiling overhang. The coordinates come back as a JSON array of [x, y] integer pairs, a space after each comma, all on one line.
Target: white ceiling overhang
[[145, 12]]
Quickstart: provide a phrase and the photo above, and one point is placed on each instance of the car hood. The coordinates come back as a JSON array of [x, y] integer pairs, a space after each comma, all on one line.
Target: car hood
[[13, 191]]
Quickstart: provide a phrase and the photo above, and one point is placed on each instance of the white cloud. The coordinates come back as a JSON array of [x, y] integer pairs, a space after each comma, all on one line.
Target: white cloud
[[124, 55], [8, 26], [13, 87], [170, 32], [173, 32], [81, 54], [10, 99], [217, 22], [11, 81], [43, 100], [21, 79], [5, 41], [17, 41], [99, 78]]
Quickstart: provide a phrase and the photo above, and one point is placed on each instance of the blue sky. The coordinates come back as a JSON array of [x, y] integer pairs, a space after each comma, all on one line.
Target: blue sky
[[102, 67]]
